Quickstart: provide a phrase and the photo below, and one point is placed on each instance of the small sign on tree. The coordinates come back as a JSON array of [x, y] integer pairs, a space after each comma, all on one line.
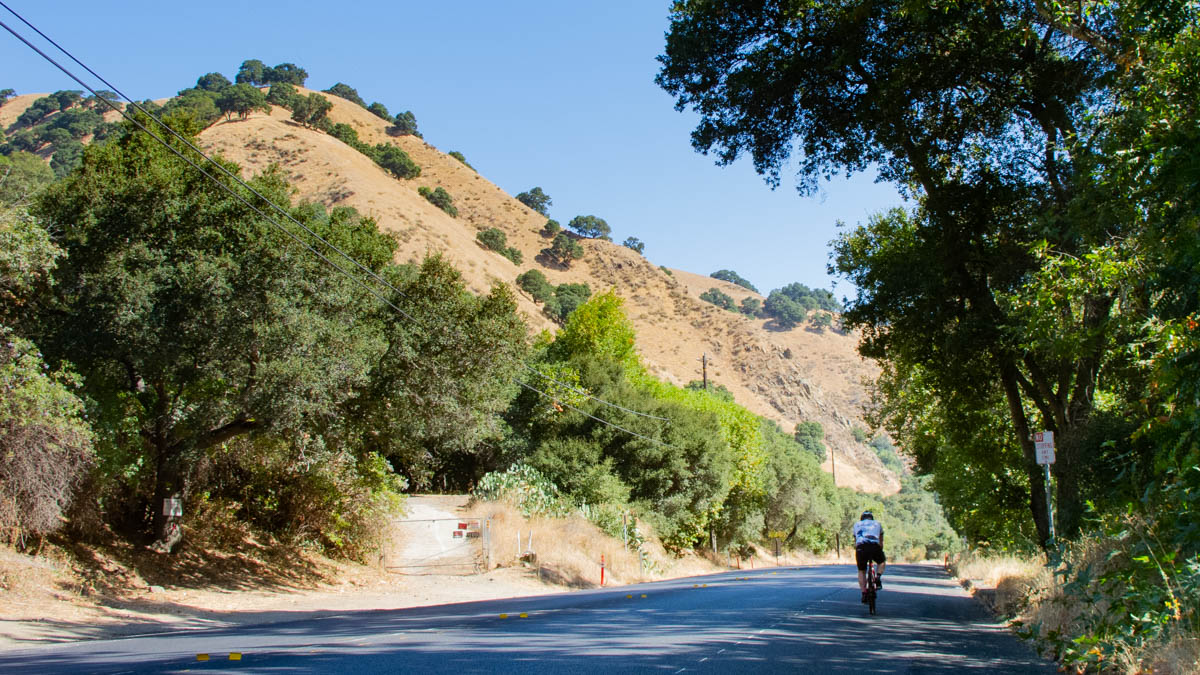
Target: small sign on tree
[[1043, 445]]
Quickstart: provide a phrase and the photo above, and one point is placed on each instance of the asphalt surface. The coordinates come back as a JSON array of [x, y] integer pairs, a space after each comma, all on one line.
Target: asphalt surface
[[793, 620]]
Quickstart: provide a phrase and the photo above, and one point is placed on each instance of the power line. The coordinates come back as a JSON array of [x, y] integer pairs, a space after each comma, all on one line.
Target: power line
[[255, 208], [587, 414]]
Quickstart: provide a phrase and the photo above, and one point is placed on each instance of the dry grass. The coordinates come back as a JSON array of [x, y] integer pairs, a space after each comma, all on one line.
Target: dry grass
[[567, 551], [1023, 588]]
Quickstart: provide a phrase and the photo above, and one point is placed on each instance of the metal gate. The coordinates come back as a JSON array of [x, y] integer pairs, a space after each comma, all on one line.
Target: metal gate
[[438, 546]]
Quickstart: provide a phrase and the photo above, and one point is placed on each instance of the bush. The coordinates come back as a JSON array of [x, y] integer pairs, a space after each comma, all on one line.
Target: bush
[[347, 92], [751, 307], [535, 199], [718, 298], [635, 244], [592, 227], [439, 198], [525, 488], [535, 284], [45, 444], [380, 110], [563, 250], [734, 278], [395, 161], [514, 255], [811, 436], [283, 95], [459, 156], [405, 124], [493, 239], [551, 228]]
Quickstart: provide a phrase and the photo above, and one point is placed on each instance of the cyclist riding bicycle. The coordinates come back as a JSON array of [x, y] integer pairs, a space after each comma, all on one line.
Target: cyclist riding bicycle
[[868, 545]]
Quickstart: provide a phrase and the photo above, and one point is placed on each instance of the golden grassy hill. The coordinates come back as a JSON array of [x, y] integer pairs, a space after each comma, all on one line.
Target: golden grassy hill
[[788, 376]]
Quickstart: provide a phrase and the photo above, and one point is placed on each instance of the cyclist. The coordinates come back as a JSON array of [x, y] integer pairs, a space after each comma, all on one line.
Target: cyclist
[[868, 545]]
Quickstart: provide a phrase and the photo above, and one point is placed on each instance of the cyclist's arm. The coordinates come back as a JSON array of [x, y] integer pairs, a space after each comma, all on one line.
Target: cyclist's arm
[[881, 539]]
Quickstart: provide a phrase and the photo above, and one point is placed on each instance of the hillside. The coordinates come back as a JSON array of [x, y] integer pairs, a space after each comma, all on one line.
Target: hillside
[[788, 376]]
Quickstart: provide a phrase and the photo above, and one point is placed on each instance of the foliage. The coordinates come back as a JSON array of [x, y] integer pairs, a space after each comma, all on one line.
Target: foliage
[[162, 270], [886, 452], [719, 298], [284, 72], [551, 228], [283, 94], [635, 244], [332, 499], [733, 277], [810, 437], [526, 488], [21, 175], [591, 227], [599, 329], [45, 442], [396, 161], [567, 298], [198, 105], [6, 94], [380, 110], [563, 249], [433, 401], [821, 320], [494, 239], [404, 124], [535, 284], [311, 110], [241, 99], [347, 92], [460, 157], [785, 311], [535, 199], [439, 198], [251, 72], [214, 82], [751, 307]]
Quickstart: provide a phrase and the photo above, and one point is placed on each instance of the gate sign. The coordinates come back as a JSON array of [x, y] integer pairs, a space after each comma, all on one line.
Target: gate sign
[[1043, 445]]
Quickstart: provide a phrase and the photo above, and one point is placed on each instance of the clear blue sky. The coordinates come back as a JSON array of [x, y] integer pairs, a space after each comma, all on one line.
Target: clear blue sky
[[544, 93]]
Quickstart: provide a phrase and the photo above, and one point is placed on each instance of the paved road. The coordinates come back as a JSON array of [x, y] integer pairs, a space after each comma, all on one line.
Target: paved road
[[793, 620]]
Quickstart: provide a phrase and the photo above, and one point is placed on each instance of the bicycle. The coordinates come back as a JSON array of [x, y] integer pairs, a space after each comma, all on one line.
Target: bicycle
[[872, 580]]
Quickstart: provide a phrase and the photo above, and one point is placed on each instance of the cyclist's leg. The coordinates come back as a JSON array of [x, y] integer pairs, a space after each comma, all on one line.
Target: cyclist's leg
[[861, 561], [882, 562]]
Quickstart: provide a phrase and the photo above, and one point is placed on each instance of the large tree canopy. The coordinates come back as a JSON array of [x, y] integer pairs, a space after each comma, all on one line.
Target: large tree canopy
[[992, 116]]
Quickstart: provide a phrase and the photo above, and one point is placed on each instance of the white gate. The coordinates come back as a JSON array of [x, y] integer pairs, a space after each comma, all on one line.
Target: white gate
[[437, 546]]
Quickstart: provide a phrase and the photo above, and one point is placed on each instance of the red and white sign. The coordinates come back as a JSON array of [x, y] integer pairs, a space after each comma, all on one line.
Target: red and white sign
[[1043, 445]]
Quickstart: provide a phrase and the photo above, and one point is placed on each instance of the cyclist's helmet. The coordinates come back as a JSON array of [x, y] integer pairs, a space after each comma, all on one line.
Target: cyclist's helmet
[[867, 515]]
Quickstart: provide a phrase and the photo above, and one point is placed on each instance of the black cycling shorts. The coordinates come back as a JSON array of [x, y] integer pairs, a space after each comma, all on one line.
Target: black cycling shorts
[[868, 551]]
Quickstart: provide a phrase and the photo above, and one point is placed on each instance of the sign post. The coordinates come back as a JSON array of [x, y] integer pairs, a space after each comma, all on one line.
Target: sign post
[[1043, 444]]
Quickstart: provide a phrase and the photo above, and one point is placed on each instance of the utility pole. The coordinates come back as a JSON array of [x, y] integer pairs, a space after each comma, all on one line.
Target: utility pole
[[833, 465], [704, 364]]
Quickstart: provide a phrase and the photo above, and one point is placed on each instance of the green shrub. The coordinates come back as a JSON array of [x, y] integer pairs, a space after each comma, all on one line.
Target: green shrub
[[493, 239], [514, 255], [718, 298], [459, 156], [395, 161], [524, 487], [439, 198], [551, 228], [534, 283]]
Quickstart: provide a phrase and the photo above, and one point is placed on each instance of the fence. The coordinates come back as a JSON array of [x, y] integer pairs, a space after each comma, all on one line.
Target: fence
[[438, 546]]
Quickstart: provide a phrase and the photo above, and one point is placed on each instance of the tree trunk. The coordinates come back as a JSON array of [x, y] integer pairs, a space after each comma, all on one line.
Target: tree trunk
[[168, 484], [1037, 484]]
